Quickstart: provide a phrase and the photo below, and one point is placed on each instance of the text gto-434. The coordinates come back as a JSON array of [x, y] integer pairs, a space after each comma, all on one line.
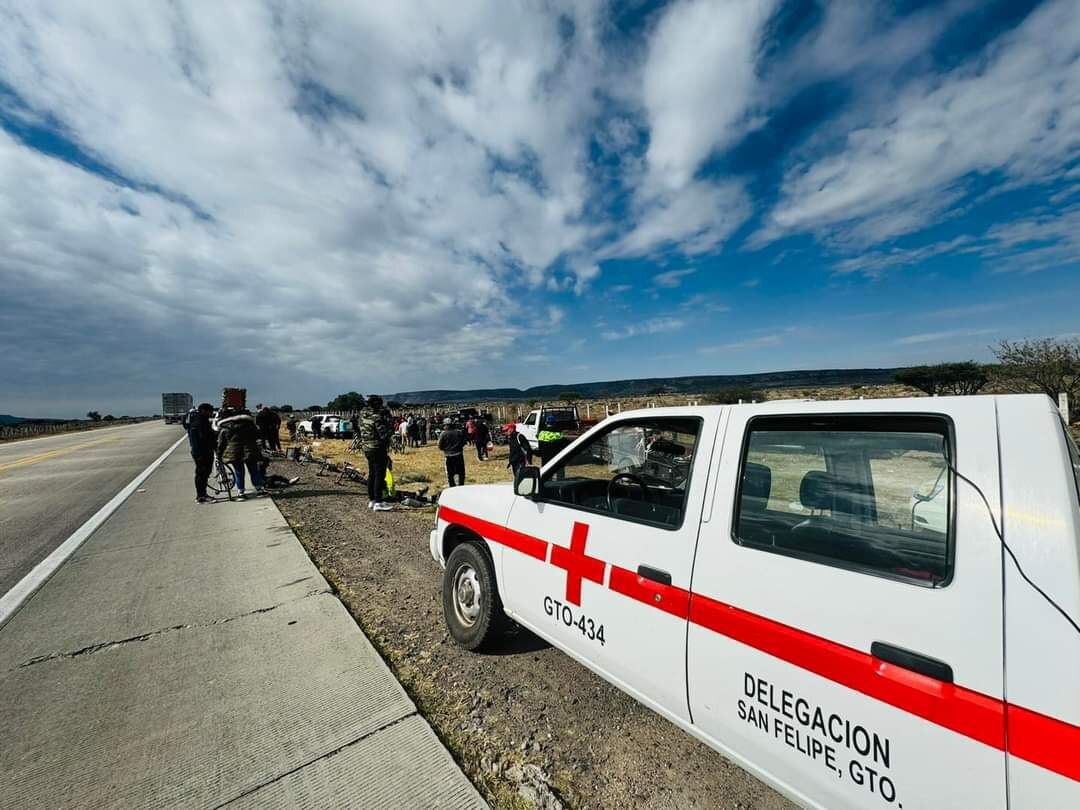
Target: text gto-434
[[862, 603]]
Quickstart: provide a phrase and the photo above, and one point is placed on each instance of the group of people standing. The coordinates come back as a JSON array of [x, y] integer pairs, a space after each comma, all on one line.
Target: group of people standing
[[413, 430], [238, 439]]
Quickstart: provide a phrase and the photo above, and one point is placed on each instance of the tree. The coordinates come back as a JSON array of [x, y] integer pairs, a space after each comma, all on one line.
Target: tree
[[734, 395], [346, 403], [1050, 365], [285, 408], [394, 405], [93, 416], [656, 392], [961, 379], [315, 408], [108, 418], [570, 396]]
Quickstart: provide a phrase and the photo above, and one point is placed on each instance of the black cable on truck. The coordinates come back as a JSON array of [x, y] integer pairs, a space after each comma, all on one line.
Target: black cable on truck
[[999, 531]]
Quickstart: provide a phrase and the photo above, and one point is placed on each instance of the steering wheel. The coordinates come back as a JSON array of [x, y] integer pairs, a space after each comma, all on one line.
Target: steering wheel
[[633, 479]]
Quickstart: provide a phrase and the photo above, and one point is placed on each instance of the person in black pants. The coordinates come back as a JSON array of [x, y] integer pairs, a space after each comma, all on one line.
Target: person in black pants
[[452, 444], [481, 435], [375, 429], [520, 451], [201, 441]]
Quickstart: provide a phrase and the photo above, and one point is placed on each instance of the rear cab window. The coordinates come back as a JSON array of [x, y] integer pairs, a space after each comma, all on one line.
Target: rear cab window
[[871, 493]]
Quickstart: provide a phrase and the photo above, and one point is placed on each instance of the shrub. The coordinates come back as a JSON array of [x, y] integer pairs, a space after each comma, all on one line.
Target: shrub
[[733, 395], [945, 378]]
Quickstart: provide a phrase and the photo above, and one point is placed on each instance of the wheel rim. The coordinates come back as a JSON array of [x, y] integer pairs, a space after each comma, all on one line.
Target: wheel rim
[[467, 595]]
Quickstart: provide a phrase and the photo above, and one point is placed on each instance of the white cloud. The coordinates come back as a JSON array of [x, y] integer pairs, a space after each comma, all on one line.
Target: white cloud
[[381, 169], [672, 278], [1014, 110], [698, 83], [939, 337], [652, 326], [696, 220], [748, 344]]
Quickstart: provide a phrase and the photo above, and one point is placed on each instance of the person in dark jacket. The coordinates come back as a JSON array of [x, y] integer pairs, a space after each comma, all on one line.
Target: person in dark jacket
[[316, 426], [238, 445], [452, 444], [375, 430], [291, 426], [200, 436], [481, 436], [520, 450], [264, 421]]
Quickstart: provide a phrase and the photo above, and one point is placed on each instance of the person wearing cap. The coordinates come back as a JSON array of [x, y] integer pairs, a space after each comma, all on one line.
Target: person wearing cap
[[375, 430], [452, 444]]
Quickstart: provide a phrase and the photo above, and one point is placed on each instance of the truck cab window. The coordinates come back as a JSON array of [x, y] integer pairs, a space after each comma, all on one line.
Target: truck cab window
[[531, 420], [870, 493], [636, 470]]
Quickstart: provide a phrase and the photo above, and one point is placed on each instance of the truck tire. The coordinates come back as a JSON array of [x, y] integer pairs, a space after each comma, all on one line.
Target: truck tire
[[471, 604]]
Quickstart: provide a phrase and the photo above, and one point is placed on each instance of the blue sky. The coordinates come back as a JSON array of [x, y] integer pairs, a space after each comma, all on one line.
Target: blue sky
[[309, 199]]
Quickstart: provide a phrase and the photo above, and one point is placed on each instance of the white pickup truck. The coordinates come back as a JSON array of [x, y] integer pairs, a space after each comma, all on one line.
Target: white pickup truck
[[558, 420], [821, 591]]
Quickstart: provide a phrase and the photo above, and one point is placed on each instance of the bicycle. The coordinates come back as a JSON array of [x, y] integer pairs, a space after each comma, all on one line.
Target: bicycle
[[223, 481]]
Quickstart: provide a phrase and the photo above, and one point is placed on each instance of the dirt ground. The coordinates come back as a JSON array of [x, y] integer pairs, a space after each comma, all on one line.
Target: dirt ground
[[529, 726]]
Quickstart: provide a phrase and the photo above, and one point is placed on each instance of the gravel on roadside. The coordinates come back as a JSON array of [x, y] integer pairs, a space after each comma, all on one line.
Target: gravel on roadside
[[530, 726]]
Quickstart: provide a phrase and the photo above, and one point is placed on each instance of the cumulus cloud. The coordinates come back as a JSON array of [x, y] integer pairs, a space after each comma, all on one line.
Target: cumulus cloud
[[288, 177]]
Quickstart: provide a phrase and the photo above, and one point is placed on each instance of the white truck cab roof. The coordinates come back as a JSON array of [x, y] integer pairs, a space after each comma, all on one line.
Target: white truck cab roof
[[864, 603]]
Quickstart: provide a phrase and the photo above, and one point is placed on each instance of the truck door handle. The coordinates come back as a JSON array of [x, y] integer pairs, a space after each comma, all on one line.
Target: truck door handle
[[923, 664], [655, 574]]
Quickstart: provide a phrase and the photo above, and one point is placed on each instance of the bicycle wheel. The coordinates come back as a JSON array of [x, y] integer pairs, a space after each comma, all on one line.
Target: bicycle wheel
[[224, 481]]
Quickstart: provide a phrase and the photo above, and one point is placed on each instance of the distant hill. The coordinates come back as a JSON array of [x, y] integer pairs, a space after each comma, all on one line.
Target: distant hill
[[692, 385], [8, 419]]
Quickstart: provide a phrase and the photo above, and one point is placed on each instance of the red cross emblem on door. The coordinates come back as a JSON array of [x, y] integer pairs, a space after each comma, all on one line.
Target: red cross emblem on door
[[577, 564]]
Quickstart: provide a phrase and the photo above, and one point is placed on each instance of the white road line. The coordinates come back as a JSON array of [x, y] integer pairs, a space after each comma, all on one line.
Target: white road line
[[26, 587]]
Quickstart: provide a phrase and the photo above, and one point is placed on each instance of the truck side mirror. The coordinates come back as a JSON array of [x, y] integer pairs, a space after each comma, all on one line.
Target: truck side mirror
[[527, 482]]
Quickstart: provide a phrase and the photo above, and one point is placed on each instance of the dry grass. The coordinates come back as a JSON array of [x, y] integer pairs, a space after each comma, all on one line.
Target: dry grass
[[419, 465]]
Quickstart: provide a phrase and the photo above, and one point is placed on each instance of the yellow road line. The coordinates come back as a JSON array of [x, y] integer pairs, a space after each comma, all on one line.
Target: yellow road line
[[26, 461]]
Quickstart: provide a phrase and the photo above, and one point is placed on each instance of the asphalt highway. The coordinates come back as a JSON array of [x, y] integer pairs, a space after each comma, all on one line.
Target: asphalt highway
[[50, 486]]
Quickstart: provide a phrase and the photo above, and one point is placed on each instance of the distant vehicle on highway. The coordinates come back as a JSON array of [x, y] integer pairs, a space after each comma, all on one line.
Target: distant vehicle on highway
[[866, 604], [333, 427], [175, 406]]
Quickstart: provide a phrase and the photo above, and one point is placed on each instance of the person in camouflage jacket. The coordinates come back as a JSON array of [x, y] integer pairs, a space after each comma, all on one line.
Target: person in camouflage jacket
[[375, 430]]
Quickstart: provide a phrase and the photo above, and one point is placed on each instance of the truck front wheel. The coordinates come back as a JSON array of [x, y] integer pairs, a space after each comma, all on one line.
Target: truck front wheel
[[471, 604]]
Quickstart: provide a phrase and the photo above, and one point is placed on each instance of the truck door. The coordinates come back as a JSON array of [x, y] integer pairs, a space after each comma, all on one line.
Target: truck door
[[618, 517], [844, 638]]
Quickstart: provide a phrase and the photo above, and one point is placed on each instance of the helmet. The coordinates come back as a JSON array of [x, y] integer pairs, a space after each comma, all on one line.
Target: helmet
[[447, 421]]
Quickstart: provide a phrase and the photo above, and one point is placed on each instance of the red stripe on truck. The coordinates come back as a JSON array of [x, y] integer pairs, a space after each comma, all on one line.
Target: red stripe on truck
[[1045, 741], [668, 598], [526, 544], [964, 711]]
